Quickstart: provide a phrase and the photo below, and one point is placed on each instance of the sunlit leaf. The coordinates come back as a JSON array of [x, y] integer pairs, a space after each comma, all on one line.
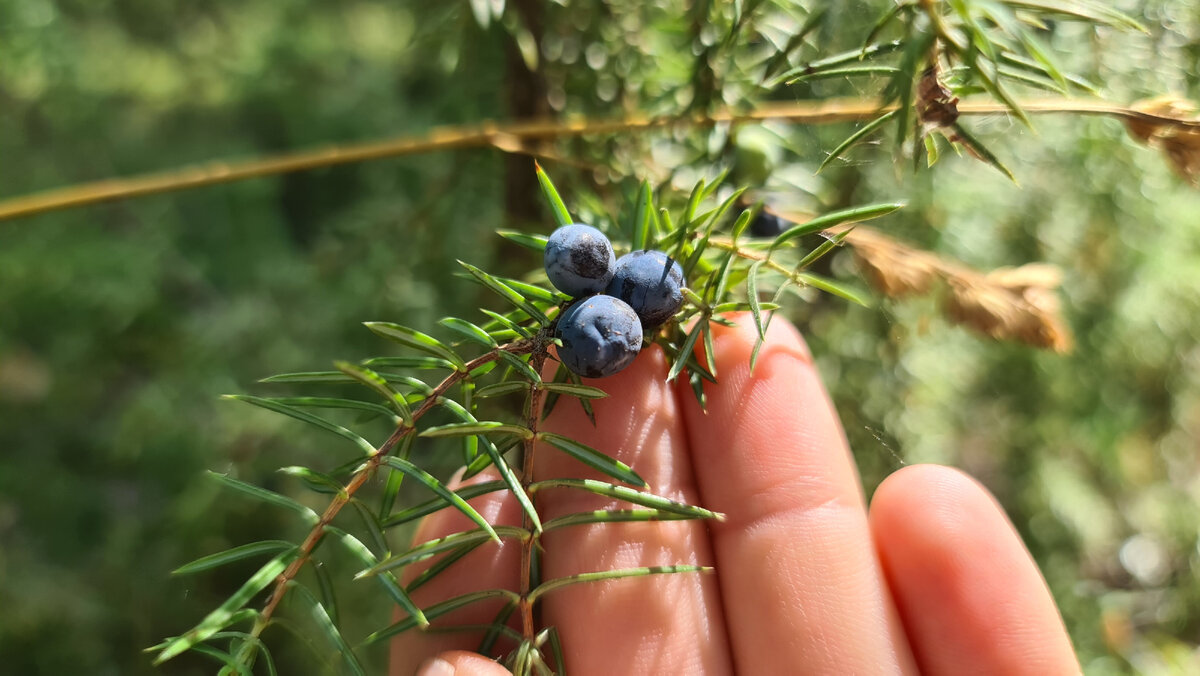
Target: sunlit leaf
[[429, 507], [837, 60], [593, 458], [321, 483], [830, 243], [387, 580], [502, 388], [614, 516], [643, 216], [534, 292], [681, 359], [431, 482], [860, 134], [628, 495], [469, 331], [266, 496], [478, 427], [525, 239], [233, 555], [561, 215], [410, 362], [830, 286], [333, 402], [510, 478], [438, 567], [851, 71], [395, 480], [514, 328], [889, 15], [521, 366], [439, 609], [305, 416], [581, 391], [330, 631], [325, 587], [380, 385], [496, 628], [833, 218], [505, 291], [752, 296], [416, 340], [1094, 12], [432, 548], [583, 578], [224, 614], [981, 151]]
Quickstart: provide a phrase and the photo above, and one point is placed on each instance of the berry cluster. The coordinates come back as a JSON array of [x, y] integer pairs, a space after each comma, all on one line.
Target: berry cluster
[[618, 301]]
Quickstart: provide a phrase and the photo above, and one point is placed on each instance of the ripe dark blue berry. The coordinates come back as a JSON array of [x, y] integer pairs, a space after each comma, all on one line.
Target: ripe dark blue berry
[[600, 336], [651, 283], [767, 224], [579, 260]]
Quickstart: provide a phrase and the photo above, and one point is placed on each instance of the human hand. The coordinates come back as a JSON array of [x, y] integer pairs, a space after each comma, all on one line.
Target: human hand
[[931, 579]]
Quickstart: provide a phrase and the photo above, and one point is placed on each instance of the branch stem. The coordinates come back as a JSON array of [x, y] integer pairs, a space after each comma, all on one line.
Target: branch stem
[[364, 473], [511, 137], [529, 545]]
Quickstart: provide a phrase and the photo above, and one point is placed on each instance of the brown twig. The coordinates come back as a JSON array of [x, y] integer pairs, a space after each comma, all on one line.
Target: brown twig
[[506, 137], [363, 474], [530, 544]]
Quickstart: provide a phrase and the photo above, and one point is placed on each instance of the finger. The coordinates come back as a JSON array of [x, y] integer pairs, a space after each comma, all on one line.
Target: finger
[[489, 566], [461, 663], [799, 577], [667, 623], [971, 597]]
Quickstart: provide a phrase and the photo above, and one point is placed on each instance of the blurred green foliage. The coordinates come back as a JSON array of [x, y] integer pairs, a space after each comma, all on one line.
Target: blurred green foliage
[[121, 324]]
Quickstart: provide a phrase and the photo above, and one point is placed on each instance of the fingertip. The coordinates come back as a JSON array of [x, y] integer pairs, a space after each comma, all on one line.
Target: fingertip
[[461, 663], [770, 454], [968, 591], [938, 493]]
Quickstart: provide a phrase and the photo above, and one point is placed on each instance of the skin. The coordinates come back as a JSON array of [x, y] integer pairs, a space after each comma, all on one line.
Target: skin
[[932, 578]]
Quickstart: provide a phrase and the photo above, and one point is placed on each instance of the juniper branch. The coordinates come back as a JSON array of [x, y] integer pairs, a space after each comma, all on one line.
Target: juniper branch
[[528, 546], [368, 469]]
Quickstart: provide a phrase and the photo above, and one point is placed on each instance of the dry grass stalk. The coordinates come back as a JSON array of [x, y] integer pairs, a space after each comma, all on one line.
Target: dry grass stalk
[[1007, 304], [517, 137], [1180, 143]]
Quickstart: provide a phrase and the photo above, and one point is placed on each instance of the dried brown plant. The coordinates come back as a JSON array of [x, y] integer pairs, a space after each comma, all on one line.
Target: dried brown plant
[[1007, 303], [1180, 143]]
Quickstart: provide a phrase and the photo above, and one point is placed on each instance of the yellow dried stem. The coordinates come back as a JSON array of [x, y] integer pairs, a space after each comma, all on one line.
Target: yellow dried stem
[[521, 135]]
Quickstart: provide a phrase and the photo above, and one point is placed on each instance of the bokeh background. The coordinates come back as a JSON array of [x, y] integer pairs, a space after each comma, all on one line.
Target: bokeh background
[[121, 324]]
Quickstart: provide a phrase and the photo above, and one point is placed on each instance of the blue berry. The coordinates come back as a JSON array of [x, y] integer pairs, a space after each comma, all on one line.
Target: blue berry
[[767, 224], [579, 260], [651, 283], [600, 336]]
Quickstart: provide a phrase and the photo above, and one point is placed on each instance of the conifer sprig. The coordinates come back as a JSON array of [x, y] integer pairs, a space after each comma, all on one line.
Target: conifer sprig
[[927, 53]]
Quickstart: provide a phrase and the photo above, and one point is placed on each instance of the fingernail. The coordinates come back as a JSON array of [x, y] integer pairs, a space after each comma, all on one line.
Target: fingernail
[[436, 667]]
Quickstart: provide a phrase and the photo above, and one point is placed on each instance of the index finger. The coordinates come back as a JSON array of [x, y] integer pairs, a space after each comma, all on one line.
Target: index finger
[[801, 583]]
